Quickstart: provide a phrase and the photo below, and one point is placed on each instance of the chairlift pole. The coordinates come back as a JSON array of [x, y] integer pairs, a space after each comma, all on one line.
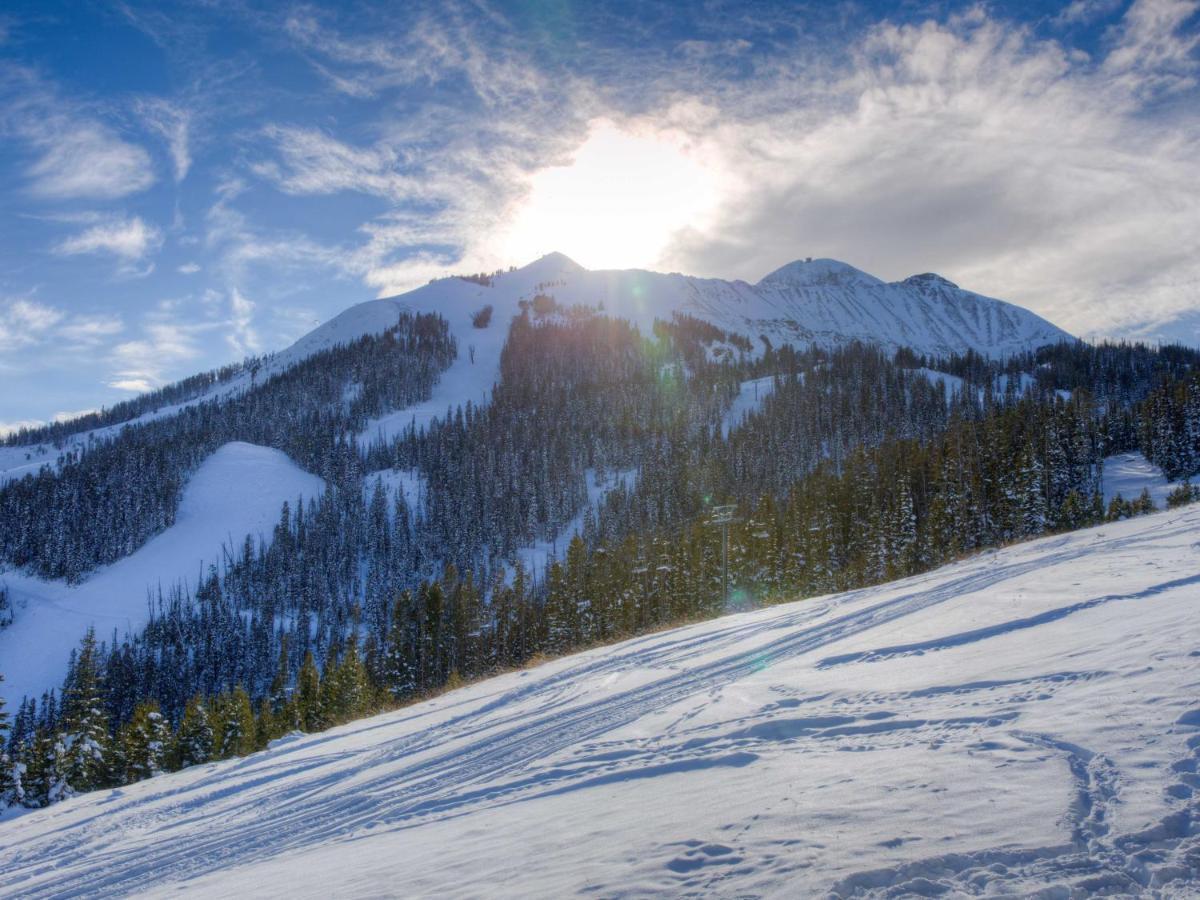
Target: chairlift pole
[[723, 516]]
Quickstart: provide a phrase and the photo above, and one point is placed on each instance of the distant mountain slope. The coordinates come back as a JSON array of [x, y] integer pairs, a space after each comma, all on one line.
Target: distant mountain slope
[[1022, 721], [823, 303], [238, 491], [805, 303]]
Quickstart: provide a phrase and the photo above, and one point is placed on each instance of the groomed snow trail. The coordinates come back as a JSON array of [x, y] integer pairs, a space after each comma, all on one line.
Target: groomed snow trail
[[239, 490], [1027, 719]]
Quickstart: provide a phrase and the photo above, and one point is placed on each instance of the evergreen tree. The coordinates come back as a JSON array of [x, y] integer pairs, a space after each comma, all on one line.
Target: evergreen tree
[[309, 710], [144, 741], [194, 738], [235, 732], [8, 780], [85, 761]]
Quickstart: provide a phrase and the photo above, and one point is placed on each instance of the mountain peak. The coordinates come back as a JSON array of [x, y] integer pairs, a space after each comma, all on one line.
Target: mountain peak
[[819, 271], [553, 263], [929, 280]]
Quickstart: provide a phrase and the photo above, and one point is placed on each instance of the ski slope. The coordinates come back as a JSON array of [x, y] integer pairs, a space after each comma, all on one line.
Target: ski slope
[[1025, 720], [1128, 474], [819, 302], [238, 490]]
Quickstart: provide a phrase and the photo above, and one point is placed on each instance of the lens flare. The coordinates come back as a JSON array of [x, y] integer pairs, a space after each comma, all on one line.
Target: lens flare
[[617, 204]]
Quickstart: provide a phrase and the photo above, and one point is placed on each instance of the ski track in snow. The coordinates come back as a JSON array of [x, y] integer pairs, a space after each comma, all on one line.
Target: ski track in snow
[[1025, 719]]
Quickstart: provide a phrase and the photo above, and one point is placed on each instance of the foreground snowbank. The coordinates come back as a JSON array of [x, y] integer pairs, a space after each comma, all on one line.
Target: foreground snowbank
[[1024, 719]]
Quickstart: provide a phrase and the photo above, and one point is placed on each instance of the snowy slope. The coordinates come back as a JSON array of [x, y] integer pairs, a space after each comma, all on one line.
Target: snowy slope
[[238, 490], [822, 302], [1024, 720], [1127, 474], [818, 302], [750, 399]]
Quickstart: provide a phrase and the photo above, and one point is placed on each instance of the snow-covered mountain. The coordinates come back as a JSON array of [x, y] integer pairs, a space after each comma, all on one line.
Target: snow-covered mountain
[[819, 302], [1023, 721]]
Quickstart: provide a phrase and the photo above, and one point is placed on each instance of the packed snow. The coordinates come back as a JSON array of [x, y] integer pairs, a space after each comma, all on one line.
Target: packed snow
[[540, 554], [1128, 474], [1024, 720], [238, 490], [750, 398]]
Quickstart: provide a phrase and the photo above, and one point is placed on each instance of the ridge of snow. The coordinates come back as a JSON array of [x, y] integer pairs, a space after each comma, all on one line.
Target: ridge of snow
[[1024, 720], [821, 302], [819, 271], [238, 490]]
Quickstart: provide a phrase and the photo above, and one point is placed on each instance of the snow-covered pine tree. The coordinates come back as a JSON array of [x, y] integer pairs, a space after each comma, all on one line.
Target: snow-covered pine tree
[[235, 734], [8, 784], [144, 741], [193, 744], [84, 733]]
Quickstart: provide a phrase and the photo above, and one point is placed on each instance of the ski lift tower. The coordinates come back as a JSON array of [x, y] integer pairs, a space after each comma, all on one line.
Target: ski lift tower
[[723, 517]]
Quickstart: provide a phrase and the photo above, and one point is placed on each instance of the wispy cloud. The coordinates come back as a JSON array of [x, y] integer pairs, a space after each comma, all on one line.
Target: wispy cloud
[[78, 156], [173, 124], [129, 239], [141, 365], [25, 322]]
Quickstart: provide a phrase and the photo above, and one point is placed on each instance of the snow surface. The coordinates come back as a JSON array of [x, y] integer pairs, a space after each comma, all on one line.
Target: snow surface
[[238, 490], [1026, 719], [536, 557], [750, 398], [1128, 473]]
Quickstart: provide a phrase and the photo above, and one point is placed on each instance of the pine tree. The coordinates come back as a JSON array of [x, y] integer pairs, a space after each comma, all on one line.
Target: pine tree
[[235, 724], [308, 696], [8, 783], [85, 763], [194, 738], [144, 741]]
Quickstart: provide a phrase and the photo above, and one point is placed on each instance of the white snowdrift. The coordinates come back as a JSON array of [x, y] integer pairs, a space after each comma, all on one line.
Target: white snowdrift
[[1022, 720], [239, 490]]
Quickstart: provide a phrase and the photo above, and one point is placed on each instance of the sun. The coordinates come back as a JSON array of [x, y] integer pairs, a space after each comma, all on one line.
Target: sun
[[625, 194]]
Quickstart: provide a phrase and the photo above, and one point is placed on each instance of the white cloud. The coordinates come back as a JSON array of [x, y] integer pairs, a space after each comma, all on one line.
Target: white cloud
[[312, 162], [87, 160], [1016, 165], [189, 268], [1081, 11], [243, 339], [90, 330], [129, 239], [79, 156], [25, 322], [173, 124], [141, 365]]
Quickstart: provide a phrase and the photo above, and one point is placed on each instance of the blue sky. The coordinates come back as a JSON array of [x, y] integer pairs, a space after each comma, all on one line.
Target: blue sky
[[185, 184]]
